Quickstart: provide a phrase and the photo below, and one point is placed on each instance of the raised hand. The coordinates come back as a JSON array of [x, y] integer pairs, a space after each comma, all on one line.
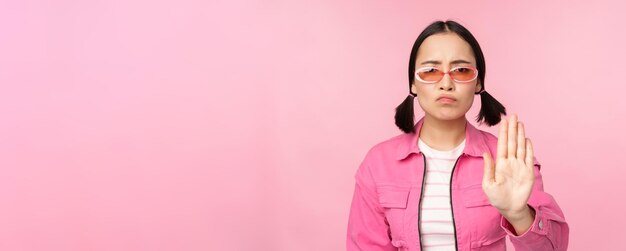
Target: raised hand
[[508, 183]]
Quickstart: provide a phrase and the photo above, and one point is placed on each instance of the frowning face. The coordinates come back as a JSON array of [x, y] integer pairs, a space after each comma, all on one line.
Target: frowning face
[[448, 98]]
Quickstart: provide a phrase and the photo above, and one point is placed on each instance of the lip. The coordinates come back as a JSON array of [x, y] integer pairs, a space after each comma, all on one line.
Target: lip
[[446, 99]]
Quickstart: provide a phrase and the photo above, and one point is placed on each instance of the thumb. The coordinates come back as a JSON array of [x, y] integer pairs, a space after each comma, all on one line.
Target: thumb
[[488, 176]]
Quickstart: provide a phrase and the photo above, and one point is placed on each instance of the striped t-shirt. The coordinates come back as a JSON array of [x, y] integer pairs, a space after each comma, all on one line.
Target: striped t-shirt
[[436, 226]]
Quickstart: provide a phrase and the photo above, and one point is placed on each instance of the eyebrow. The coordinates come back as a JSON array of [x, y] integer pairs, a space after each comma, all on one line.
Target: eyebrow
[[458, 61]]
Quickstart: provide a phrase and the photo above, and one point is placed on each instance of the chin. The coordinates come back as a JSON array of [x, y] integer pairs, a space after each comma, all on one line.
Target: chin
[[448, 115]]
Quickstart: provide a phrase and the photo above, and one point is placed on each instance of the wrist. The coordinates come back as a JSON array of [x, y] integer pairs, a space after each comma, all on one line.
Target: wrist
[[519, 215]]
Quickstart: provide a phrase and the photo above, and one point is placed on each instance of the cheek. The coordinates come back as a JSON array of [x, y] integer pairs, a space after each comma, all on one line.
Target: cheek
[[425, 92], [468, 94], [469, 99], [467, 102]]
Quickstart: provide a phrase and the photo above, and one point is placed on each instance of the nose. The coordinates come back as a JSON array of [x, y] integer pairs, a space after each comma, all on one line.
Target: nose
[[446, 83]]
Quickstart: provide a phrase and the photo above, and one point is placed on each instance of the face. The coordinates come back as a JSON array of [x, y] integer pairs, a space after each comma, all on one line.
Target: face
[[445, 51]]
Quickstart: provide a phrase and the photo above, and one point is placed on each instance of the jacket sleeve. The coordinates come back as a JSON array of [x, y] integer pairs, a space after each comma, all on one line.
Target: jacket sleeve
[[549, 230], [367, 227]]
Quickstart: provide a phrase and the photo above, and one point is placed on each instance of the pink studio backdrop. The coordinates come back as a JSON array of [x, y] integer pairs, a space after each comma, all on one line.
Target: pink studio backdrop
[[226, 125]]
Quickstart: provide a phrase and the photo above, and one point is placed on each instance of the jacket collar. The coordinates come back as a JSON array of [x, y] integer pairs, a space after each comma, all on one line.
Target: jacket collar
[[475, 144]]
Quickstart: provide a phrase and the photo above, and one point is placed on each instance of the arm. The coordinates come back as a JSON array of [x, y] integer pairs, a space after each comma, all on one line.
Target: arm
[[514, 186], [548, 229], [367, 228]]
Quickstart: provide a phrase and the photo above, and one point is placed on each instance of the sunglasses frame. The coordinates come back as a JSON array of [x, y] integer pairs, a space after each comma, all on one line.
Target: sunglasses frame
[[417, 77]]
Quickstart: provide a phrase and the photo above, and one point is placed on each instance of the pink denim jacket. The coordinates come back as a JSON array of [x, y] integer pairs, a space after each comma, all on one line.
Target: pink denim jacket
[[384, 210]]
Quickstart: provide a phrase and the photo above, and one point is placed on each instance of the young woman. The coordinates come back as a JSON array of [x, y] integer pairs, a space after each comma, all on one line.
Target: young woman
[[436, 186]]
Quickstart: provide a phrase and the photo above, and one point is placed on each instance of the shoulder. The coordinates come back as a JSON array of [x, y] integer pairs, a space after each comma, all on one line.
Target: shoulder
[[383, 159], [388, 148], [490, 139]]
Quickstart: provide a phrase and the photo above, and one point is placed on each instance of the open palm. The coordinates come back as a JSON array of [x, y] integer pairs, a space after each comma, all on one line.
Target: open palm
[[508, 183]]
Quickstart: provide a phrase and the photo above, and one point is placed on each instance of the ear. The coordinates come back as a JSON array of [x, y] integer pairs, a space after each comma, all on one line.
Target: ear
[[479, 86], [414, 89]]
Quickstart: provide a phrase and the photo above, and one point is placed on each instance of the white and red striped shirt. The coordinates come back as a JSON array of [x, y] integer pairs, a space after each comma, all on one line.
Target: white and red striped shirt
[[436, 217]]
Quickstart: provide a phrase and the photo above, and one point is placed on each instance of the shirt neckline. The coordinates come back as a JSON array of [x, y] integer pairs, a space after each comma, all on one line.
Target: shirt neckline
[[448, 154]]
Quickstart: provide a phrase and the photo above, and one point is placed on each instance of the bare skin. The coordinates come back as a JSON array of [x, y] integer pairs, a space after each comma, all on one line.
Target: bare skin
[[509, 181]]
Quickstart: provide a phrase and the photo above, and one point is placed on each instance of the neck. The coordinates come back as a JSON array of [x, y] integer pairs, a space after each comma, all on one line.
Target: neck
[[443, 134]]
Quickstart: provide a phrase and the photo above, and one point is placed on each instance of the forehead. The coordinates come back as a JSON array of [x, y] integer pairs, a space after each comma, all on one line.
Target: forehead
[[445, 47]]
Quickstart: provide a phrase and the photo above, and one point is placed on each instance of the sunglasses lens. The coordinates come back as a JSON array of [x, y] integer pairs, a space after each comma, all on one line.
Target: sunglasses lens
[[429, 75], [463, 74]]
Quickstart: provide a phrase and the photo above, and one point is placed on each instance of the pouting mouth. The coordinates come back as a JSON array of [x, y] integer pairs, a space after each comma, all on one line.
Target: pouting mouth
[[448, 97]]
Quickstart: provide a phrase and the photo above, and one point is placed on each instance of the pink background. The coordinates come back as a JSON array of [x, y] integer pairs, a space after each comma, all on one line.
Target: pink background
[[187, 125]]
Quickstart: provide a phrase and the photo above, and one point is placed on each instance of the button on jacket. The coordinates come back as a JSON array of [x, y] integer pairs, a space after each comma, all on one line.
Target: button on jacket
[[384, 213]]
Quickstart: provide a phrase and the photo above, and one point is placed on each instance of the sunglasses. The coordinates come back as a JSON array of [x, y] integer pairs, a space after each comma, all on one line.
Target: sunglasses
[[461, 74]]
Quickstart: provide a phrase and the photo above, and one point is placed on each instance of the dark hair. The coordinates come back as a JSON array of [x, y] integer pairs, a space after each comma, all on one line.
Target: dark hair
[[490, 110]]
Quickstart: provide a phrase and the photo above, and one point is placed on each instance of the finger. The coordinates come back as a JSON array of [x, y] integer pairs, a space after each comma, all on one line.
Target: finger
[[512, 139], [521, 141], [489, 174], [502, 138], [529, 154]]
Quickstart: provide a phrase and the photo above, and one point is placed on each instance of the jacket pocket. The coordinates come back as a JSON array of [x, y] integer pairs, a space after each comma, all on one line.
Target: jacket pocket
[[394, 201], [497, 243], [392, 196], [484, 219]]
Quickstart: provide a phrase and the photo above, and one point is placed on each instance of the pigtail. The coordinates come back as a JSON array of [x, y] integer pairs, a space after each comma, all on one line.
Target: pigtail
[[490, 109], [405, 115]]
